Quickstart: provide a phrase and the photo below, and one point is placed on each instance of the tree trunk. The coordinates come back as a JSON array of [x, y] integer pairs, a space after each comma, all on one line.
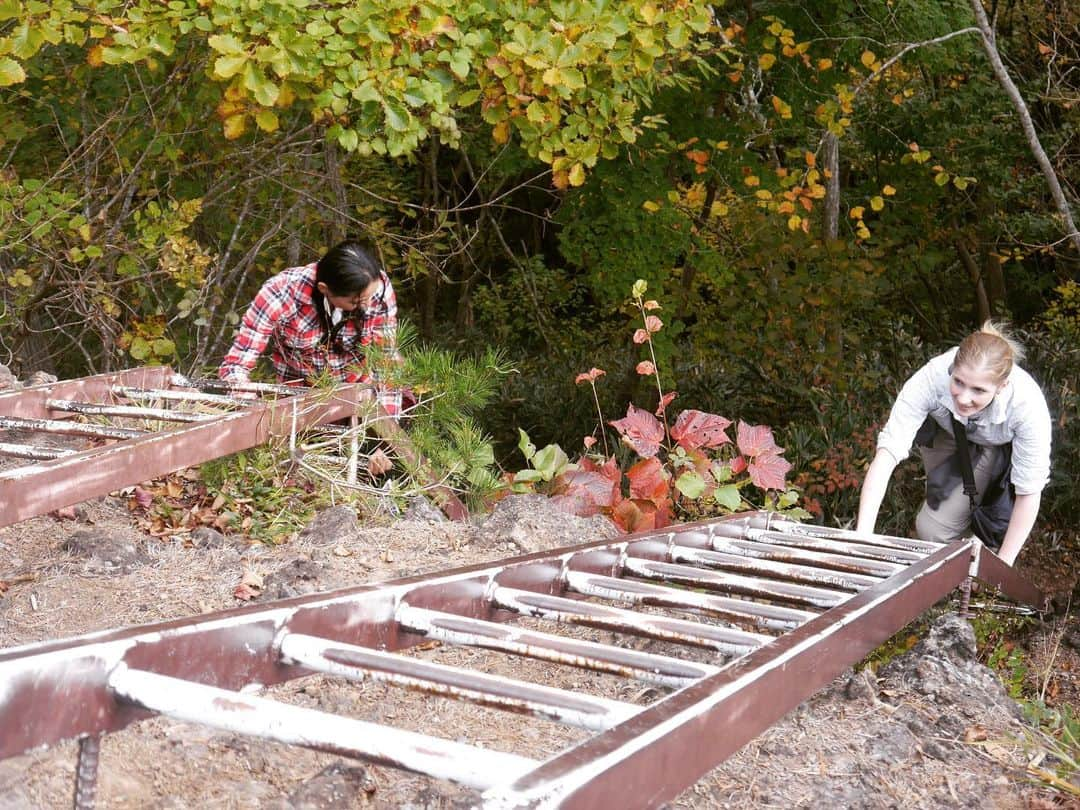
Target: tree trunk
[[831, 225]]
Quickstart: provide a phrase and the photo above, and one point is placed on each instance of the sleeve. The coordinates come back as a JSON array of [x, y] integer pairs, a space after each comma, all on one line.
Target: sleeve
[[1032, 432], [915, 402], [256, 327]]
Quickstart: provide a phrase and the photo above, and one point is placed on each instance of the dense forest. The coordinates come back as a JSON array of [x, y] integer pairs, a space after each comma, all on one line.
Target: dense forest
[[811, 198]]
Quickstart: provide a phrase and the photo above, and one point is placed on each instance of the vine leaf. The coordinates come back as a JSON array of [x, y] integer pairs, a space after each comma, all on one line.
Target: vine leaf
[[641, 430], [695, 429], [768, 471], [756, 440]]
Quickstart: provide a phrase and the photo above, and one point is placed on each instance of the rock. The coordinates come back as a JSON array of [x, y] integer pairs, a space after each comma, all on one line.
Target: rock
[[40, 378], [331, 527], [105, 551], [422, 510], [207, 537], [337, 785], [7, 379], [296, 578], [535, 523]]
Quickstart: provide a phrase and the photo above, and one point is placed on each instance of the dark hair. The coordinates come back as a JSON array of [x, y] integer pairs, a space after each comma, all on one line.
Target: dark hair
[[346, 269]]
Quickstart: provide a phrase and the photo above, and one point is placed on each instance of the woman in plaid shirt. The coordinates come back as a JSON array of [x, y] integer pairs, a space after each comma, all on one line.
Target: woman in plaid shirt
[[319, 318]]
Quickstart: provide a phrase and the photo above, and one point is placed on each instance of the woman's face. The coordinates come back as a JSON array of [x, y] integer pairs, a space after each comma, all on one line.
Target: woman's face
[[360, 300], [972, 389]]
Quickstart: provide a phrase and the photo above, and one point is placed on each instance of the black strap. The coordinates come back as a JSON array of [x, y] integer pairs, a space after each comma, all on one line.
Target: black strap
[[964, 457]]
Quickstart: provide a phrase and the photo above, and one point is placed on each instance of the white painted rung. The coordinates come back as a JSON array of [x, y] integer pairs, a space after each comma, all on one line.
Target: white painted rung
[[647, 667], [31, 452], [358, 663], [295, 725]]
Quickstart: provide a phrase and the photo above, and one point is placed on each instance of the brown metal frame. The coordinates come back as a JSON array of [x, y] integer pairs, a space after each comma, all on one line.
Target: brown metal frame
[[638, 757], [59, 477]]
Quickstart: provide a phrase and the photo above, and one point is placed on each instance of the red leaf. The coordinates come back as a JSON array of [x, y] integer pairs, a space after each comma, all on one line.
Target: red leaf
[[638, 516], [641, 430], [645, 368], [641, 336], [589, 441], [653, 324], [756, 440], [651, 305], [664, 402], [589, 376], [244, 592], [738, 464], [699, 429], [769, 470], [591, 486], [647, 480]]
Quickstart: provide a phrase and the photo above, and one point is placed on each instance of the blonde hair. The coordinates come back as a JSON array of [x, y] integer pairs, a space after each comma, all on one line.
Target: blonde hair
[[992, 349]]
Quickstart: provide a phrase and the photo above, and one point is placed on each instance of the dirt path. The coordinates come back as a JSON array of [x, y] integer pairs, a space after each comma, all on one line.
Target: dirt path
[[933, 729]]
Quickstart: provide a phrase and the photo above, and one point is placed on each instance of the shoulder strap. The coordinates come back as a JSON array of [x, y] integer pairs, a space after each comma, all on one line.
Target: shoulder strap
[[964, 458]]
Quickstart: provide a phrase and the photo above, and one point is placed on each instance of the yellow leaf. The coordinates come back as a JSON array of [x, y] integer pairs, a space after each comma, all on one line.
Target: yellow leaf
[[720, 146], [500, 133], [766, 61], [888, 191], [648, 13], [811, 159], [786, 207], [868, 58], [95, 56], [877, 203], [719, 209], [235, 126], [857, 212], [824, 64], [782, 108], [650, 206], [794, 221], [752, 180], [267, 120], [577, 175]]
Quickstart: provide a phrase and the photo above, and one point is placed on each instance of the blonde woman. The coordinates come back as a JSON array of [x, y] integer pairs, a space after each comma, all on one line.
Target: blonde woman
[[1001, 408]]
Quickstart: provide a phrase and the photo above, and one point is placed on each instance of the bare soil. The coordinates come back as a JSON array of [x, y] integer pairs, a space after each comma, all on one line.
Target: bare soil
[[932, 729]]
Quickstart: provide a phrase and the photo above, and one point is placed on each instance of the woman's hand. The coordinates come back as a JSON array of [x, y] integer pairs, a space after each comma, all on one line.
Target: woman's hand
[[379, 462]]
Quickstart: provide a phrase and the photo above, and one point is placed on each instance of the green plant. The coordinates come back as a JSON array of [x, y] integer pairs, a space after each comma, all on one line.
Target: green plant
[[686, 470]]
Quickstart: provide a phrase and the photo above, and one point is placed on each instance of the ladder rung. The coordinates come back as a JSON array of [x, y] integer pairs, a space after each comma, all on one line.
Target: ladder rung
[[648, 667], [874, 551], [69, 428], [790, 527], [748, 565], [839, 562], [726, 640], [133, 411], [260, 717], [179, 396], [33, 453], [772, 617], [735, 583], [358, 663]]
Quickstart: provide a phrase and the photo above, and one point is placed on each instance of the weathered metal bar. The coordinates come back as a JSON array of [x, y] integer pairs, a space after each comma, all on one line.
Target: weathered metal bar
[[36, 489], [786, 526], [837, 562], [887, 553], [86, 772], [131, 411], [642, 666], [67, 427], [359, 663], [768, 568], [652, 757], [992, 570], [295, 725], [31, 452], [734, 583], [180, 381], [30, 402], [647, 593], [726, 640], [128, 392]]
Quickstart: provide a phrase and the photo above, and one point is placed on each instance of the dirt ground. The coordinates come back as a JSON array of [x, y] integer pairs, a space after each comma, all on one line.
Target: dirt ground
[[932, 729]]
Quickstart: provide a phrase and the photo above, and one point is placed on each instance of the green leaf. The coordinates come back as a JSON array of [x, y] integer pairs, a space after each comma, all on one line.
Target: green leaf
[[225, 44], [163, 347], [11, 72], [225, 67], [139, 348], [527, 448], [550, 461], [728, 497], [527, 476], [690, 484], [10, 10]]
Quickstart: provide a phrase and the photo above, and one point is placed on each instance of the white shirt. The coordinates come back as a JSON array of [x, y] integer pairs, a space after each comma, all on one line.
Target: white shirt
[[1018, 414]]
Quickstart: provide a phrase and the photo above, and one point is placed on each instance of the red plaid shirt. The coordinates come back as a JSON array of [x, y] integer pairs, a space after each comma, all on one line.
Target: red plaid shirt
[[283, 311]]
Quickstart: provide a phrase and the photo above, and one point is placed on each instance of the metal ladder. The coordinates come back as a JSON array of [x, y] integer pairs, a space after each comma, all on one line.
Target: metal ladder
[[753, 615]]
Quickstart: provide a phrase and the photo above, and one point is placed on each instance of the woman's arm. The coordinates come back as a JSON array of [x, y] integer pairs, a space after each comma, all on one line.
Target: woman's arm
[[873, 489], [1025, 510]]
